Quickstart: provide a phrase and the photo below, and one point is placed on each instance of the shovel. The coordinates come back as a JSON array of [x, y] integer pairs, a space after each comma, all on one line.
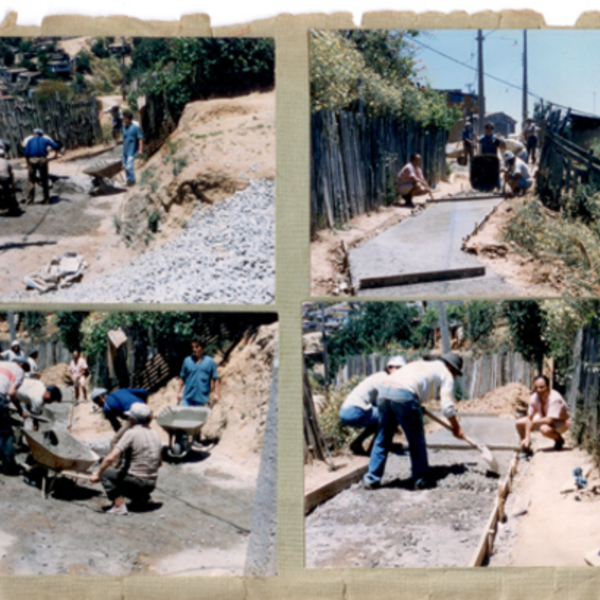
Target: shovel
[[486, 453]]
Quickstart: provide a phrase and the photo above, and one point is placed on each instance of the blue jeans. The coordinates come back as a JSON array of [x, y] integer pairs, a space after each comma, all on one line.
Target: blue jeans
[[188, 402], [357, 417], [398, 407], [128, 166]]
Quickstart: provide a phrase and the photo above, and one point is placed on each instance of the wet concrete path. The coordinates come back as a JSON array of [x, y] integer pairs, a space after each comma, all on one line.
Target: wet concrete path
[[422, 255]]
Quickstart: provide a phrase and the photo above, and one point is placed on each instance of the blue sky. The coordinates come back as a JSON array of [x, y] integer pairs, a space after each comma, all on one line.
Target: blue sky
[[563, 66]]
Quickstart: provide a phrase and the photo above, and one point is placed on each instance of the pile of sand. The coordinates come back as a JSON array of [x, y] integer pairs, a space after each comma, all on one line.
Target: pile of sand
[[56, 375], [240, 415], [505, 401]]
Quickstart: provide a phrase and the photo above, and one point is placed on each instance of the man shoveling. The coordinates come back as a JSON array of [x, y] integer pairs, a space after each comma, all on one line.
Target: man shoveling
[[116, 404], [141, 448], [360, 410], [400, 398]]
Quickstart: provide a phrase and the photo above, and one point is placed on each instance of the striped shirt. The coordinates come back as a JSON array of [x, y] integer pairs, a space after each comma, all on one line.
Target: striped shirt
[[10, 373], [427, 380]]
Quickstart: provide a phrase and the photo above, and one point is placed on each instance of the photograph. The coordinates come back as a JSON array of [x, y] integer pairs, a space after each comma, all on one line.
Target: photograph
[[138, 443], [452, 433], [137, 170], [447, 163]]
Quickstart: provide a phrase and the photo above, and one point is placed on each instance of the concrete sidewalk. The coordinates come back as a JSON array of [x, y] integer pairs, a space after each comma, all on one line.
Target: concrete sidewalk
[[424, 252]]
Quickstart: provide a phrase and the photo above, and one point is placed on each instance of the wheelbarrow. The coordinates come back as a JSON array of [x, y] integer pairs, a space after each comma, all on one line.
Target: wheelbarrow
[[183, 424], [60, 453]]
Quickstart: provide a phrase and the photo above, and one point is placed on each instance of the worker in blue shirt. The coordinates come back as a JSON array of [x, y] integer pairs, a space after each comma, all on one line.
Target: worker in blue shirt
[[132, 145], [488, 143], [36, 154], [117, 403], [198, 378]]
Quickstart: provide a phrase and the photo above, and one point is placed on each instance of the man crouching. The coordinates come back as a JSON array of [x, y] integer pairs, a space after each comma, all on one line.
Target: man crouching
[[142, 449]]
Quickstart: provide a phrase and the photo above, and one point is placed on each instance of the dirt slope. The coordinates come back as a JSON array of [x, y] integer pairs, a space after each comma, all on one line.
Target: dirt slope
[[238, 419], [218, 146]]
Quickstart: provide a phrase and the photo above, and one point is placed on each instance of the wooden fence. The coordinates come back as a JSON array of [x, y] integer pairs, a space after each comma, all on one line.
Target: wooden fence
[[563, 164], [355, 161], [583, 388], [481, 374], [73, 124]]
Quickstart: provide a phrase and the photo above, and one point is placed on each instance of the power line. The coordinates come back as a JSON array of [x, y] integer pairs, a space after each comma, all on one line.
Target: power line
[[466, 65], [513, 85]]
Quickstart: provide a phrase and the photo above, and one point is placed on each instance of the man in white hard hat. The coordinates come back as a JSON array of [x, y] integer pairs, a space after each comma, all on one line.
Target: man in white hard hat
[[517, 177], [14, 351], [400, 398], [360, 410], [141, 448]]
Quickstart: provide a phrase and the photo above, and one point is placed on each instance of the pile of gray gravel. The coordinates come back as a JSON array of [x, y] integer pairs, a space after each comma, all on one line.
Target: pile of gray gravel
[[225, 254]]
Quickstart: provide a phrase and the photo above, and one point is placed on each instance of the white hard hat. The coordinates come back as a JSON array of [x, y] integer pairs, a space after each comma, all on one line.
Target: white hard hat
[[397, 361], [508, 155], [140, 412]]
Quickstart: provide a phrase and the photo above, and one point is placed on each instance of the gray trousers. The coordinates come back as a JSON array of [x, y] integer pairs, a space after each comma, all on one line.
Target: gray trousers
[[118, 483]]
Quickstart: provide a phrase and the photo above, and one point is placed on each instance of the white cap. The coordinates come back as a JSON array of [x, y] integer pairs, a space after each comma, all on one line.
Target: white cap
[[2, 152], [397, 361], [14, 343], [140, 412], [508, 155]]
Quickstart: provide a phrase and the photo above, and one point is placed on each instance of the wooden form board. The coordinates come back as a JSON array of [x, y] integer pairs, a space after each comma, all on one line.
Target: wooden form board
[[486, 542], [423, 277], [330, 489]]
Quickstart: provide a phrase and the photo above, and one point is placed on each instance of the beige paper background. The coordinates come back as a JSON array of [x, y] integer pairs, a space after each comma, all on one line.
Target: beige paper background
[[292, 288]]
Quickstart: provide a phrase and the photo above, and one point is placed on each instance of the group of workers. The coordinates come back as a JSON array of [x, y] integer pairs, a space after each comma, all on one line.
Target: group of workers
[[392, 398], [516, 153], [126, 409], [37, 152]]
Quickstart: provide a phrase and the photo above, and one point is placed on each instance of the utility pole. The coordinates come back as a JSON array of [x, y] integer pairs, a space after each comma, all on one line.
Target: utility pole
[[525, 111], [444, 329], [480, 90], [324, 342], [11, 325], [123, 68]]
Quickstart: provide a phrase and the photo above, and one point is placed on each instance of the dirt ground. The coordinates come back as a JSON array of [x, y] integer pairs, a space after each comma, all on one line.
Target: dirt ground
[[549, 522], [326, 277], [528, 275], [396, 527], [219, 146], [201, 516]]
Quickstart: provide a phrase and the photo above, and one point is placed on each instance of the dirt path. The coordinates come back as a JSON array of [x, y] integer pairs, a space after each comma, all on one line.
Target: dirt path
[[530, 277], [219, 146], [546, 527]]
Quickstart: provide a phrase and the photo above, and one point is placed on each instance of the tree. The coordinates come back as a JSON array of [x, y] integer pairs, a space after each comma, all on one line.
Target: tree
[[374, 327], [526, 324], [69, 324], [34, 323]]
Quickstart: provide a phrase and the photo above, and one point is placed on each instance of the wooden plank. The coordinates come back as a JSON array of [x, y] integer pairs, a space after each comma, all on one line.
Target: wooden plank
[[330, 489], [423, 277]]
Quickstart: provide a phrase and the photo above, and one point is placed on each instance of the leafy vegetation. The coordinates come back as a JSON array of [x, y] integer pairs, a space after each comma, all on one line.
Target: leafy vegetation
[[373, 71], [183, 69], [34, 323], [526, 324]]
